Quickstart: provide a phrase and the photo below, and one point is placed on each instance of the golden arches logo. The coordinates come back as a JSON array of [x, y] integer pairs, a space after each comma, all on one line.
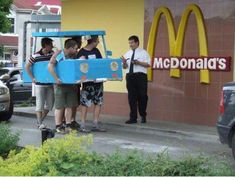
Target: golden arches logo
[[176, 40]]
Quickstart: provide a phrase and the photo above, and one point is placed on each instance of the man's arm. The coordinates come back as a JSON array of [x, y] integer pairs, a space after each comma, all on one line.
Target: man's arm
[[98, 53], [51, 68], [124, 62], [141, 63], [28, 70]]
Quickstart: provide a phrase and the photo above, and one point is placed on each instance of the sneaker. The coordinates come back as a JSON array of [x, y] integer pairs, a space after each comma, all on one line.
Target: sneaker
[[60, 130], [131, 121], [75, 125], [143, 120], [83, 130], [98, 129], [68, 128], [41, 126], [63, 124]]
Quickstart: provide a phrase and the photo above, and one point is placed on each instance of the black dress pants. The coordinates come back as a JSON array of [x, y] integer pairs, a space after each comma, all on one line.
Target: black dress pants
[[137, 86]]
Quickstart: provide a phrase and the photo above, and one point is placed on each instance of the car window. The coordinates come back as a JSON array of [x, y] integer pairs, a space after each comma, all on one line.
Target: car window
[[14, 73], [3, 71], [231, 99], [17, 76]]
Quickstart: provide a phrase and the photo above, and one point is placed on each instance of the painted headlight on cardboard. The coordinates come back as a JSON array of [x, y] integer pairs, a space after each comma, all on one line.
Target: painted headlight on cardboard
[[114, 66], [84, 67]]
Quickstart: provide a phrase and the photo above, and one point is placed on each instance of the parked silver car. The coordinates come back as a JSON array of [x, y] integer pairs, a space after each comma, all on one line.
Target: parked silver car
[[20, 92], [6, 105]]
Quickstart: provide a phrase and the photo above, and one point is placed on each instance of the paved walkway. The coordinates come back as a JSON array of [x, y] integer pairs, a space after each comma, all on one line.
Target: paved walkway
[[155, 136], [124, 139], [151, 127]]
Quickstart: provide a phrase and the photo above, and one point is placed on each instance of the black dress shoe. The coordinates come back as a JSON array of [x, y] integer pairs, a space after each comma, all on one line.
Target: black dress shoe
[[143, 120], [131, 122]]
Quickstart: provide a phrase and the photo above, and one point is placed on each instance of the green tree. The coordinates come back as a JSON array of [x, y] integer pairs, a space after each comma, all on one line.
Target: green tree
[[4, 21], [4, 11]]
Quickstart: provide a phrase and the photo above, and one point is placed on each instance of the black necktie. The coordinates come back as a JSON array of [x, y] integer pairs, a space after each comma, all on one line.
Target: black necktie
[[132, 65]]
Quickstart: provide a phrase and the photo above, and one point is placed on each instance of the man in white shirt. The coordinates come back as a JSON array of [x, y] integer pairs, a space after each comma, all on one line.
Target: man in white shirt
[[136, 61]]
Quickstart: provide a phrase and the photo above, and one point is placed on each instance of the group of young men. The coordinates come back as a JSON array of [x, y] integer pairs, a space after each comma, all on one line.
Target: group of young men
[[67, 97]]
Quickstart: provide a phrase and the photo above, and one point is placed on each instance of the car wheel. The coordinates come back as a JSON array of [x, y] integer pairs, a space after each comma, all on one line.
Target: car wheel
[[233, 145], [7, 115]]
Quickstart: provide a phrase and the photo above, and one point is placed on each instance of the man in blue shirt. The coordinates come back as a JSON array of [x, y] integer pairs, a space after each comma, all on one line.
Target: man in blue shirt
[[65, 94]]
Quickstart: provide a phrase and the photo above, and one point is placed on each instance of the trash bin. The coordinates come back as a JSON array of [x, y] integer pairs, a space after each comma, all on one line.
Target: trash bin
[[47, 133]]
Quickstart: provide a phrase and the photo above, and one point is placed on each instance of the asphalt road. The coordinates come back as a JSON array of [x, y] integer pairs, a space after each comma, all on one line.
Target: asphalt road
[[116, 139]]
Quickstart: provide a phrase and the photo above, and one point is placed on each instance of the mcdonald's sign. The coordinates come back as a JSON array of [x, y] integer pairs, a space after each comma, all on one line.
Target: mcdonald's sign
[[176, 42]]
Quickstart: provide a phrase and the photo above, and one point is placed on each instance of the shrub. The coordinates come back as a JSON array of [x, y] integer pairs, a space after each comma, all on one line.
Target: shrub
[[54, 157], [69, 156], [8, 140]]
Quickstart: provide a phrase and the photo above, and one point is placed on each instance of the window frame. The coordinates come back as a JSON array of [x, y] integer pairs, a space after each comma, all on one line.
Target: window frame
[[13, 16], [6, 53]]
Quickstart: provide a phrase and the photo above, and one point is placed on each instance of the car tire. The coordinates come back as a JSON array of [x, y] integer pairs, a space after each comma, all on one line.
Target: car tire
[[7, 115], [233, 145]]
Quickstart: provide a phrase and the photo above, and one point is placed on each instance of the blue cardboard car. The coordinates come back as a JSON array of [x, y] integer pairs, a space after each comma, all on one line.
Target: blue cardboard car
[[72, 71]]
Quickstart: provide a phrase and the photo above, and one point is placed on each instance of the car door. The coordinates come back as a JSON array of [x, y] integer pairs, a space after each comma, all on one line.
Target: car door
[[21, 92]]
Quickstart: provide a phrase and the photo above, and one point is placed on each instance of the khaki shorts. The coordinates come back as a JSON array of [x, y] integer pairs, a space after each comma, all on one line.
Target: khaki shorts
[[66, 96], [44, 97]]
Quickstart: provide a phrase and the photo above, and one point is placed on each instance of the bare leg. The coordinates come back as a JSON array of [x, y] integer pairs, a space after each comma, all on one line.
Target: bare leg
[[39, 114], [68, 115], [44, 114], [83, 115], [59, 113], [96, 114], [63, 117], [96, 126], [39, 117], [74, 111]]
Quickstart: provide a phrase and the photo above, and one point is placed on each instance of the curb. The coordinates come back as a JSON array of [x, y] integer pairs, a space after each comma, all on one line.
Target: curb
[[147, 130], [24, 114]]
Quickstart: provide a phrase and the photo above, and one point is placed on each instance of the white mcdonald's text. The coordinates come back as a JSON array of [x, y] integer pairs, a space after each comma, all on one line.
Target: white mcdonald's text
[[193, 63]]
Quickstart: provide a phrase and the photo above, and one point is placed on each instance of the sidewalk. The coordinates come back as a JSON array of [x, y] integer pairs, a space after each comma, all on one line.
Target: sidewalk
[[152, 127]]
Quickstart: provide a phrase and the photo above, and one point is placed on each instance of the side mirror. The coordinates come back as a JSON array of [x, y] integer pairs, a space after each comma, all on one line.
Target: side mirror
[[109, 53], [5, 77]]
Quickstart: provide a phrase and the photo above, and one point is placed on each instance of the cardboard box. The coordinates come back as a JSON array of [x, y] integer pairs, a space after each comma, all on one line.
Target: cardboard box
[[77, 71]]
